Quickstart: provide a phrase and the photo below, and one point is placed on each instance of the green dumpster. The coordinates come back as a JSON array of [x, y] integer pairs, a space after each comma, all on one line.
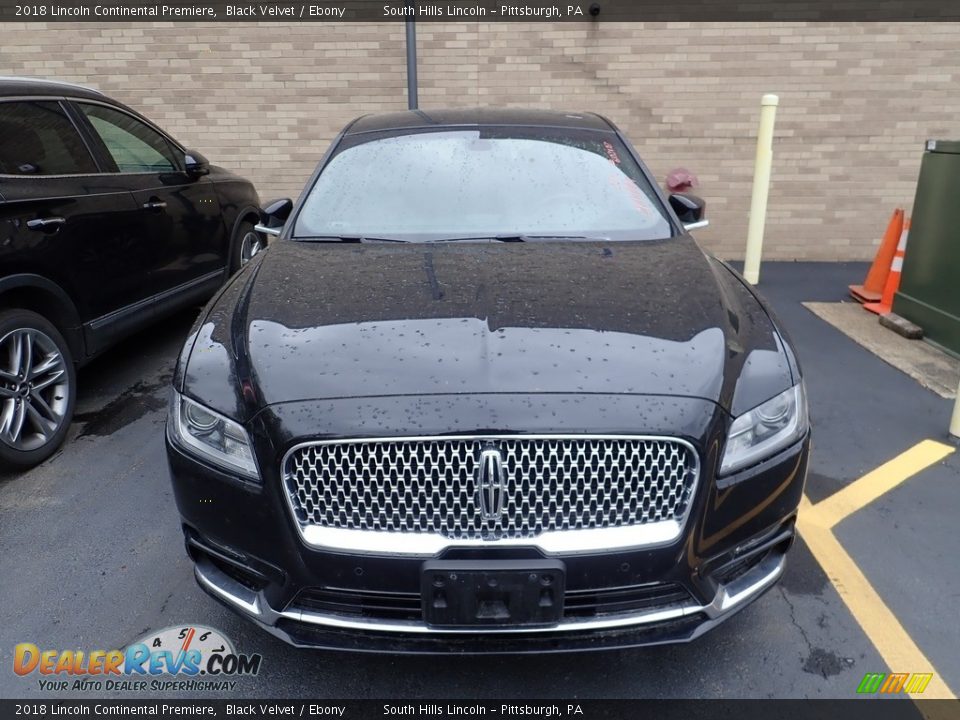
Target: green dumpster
[[929, 292]]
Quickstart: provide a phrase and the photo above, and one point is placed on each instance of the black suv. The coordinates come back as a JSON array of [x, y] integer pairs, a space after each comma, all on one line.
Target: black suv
[[106, 224]]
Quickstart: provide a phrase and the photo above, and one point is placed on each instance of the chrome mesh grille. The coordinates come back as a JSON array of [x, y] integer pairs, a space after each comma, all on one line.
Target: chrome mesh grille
[[430, 485]]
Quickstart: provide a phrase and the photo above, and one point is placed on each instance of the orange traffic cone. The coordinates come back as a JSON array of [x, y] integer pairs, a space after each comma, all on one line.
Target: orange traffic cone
[[873, 286], [893, 279]]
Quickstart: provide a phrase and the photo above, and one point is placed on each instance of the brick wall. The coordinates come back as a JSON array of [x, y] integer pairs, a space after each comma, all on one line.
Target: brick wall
[[856, 101]]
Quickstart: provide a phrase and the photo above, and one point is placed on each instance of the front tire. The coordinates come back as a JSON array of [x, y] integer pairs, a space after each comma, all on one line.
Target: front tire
[[246, 245], [37, 389]]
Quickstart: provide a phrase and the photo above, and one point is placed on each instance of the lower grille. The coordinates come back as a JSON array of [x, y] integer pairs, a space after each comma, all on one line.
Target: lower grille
[[360, 603], [585, 603], [731, 571], [536, 485], [614, 601]]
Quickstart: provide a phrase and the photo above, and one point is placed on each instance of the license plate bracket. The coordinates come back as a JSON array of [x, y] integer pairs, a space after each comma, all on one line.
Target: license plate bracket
[[492, 593]]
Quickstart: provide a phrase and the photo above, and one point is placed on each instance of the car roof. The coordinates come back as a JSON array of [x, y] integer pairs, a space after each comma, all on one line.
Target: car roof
[[39, 86], [407, 119]]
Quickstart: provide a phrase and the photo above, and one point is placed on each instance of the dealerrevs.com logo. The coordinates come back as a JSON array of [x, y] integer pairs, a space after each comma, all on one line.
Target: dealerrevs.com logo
[[179, 658]]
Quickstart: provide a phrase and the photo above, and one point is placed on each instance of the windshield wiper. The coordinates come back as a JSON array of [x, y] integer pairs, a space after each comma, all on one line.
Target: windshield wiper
[[518, 238], [349, 239], [475, 238]]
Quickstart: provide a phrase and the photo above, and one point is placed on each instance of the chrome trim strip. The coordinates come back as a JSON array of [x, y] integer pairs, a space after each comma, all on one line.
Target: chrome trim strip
[[140, 305], [747, 586], [419, 628], [80, 175], [232, 592], [427, 544], [728, 599], [558, 541]]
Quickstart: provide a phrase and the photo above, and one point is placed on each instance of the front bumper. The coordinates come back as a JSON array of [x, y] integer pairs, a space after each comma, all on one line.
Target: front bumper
[[680, 623], [250, 556]]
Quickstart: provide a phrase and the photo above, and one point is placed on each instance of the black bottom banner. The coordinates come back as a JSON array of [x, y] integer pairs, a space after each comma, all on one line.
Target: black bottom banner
[[859, 709]]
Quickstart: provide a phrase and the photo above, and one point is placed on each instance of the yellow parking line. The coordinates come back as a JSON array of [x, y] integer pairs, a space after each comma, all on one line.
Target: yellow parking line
[[875, 483], [816, 523], [881, 626]]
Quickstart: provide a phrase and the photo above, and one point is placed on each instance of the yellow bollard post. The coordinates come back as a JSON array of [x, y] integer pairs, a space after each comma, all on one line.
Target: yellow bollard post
[[761, 188], [955, 420]]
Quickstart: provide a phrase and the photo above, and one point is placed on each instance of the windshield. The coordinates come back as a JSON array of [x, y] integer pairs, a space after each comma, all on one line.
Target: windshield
[[452, 184]]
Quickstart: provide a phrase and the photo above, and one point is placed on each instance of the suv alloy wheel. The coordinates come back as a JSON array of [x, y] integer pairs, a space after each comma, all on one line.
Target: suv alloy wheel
[[37, 388]]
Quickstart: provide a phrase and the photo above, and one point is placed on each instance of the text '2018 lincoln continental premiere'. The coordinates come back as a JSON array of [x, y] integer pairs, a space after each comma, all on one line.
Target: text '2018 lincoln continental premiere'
[[484, 393]]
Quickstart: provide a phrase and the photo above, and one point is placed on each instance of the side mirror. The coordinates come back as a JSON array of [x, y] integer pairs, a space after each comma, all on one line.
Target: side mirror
[[690, 210], [273, 216], [195, 164]]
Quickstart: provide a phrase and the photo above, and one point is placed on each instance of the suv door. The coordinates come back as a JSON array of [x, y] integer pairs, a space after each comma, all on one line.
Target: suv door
[[63, 219], [182, 225]]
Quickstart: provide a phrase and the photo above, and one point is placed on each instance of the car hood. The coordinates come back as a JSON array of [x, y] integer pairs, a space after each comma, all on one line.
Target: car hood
[[314, 321]]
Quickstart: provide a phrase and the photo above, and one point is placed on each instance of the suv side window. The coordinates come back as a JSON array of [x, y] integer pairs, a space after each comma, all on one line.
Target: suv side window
[[37, 138], [134, 147]]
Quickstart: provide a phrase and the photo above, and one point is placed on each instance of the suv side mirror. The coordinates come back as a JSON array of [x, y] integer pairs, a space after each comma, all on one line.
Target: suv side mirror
[[690, 209], [273, 216], [195, 164]]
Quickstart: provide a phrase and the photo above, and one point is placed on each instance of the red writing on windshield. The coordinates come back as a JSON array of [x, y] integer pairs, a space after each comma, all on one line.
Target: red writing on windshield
[[611, 152]]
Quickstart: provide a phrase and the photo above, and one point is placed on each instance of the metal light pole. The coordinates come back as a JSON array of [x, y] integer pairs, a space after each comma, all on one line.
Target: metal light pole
[[412, 60]]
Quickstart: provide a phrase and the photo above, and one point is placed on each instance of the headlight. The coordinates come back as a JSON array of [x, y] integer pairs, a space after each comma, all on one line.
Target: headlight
[[218, 440], [761, 432]]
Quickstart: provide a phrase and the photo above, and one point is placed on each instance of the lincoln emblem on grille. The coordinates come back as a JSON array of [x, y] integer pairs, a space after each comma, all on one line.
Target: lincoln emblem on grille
[[491, 480]]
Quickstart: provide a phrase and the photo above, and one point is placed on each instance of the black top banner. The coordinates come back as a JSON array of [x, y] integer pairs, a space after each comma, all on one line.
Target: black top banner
[[594, 11], [202, 709]]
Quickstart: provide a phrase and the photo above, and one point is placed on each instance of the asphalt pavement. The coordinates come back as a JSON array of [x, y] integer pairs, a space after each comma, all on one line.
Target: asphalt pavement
[[91, 554]]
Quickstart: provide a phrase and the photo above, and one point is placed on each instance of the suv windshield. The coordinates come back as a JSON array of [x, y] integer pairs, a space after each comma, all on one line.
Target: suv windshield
[[528, 183]]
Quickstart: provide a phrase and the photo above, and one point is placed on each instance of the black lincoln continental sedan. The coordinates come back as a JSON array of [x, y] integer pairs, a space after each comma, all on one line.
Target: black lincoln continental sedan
[[106, 224], [486, 394]]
